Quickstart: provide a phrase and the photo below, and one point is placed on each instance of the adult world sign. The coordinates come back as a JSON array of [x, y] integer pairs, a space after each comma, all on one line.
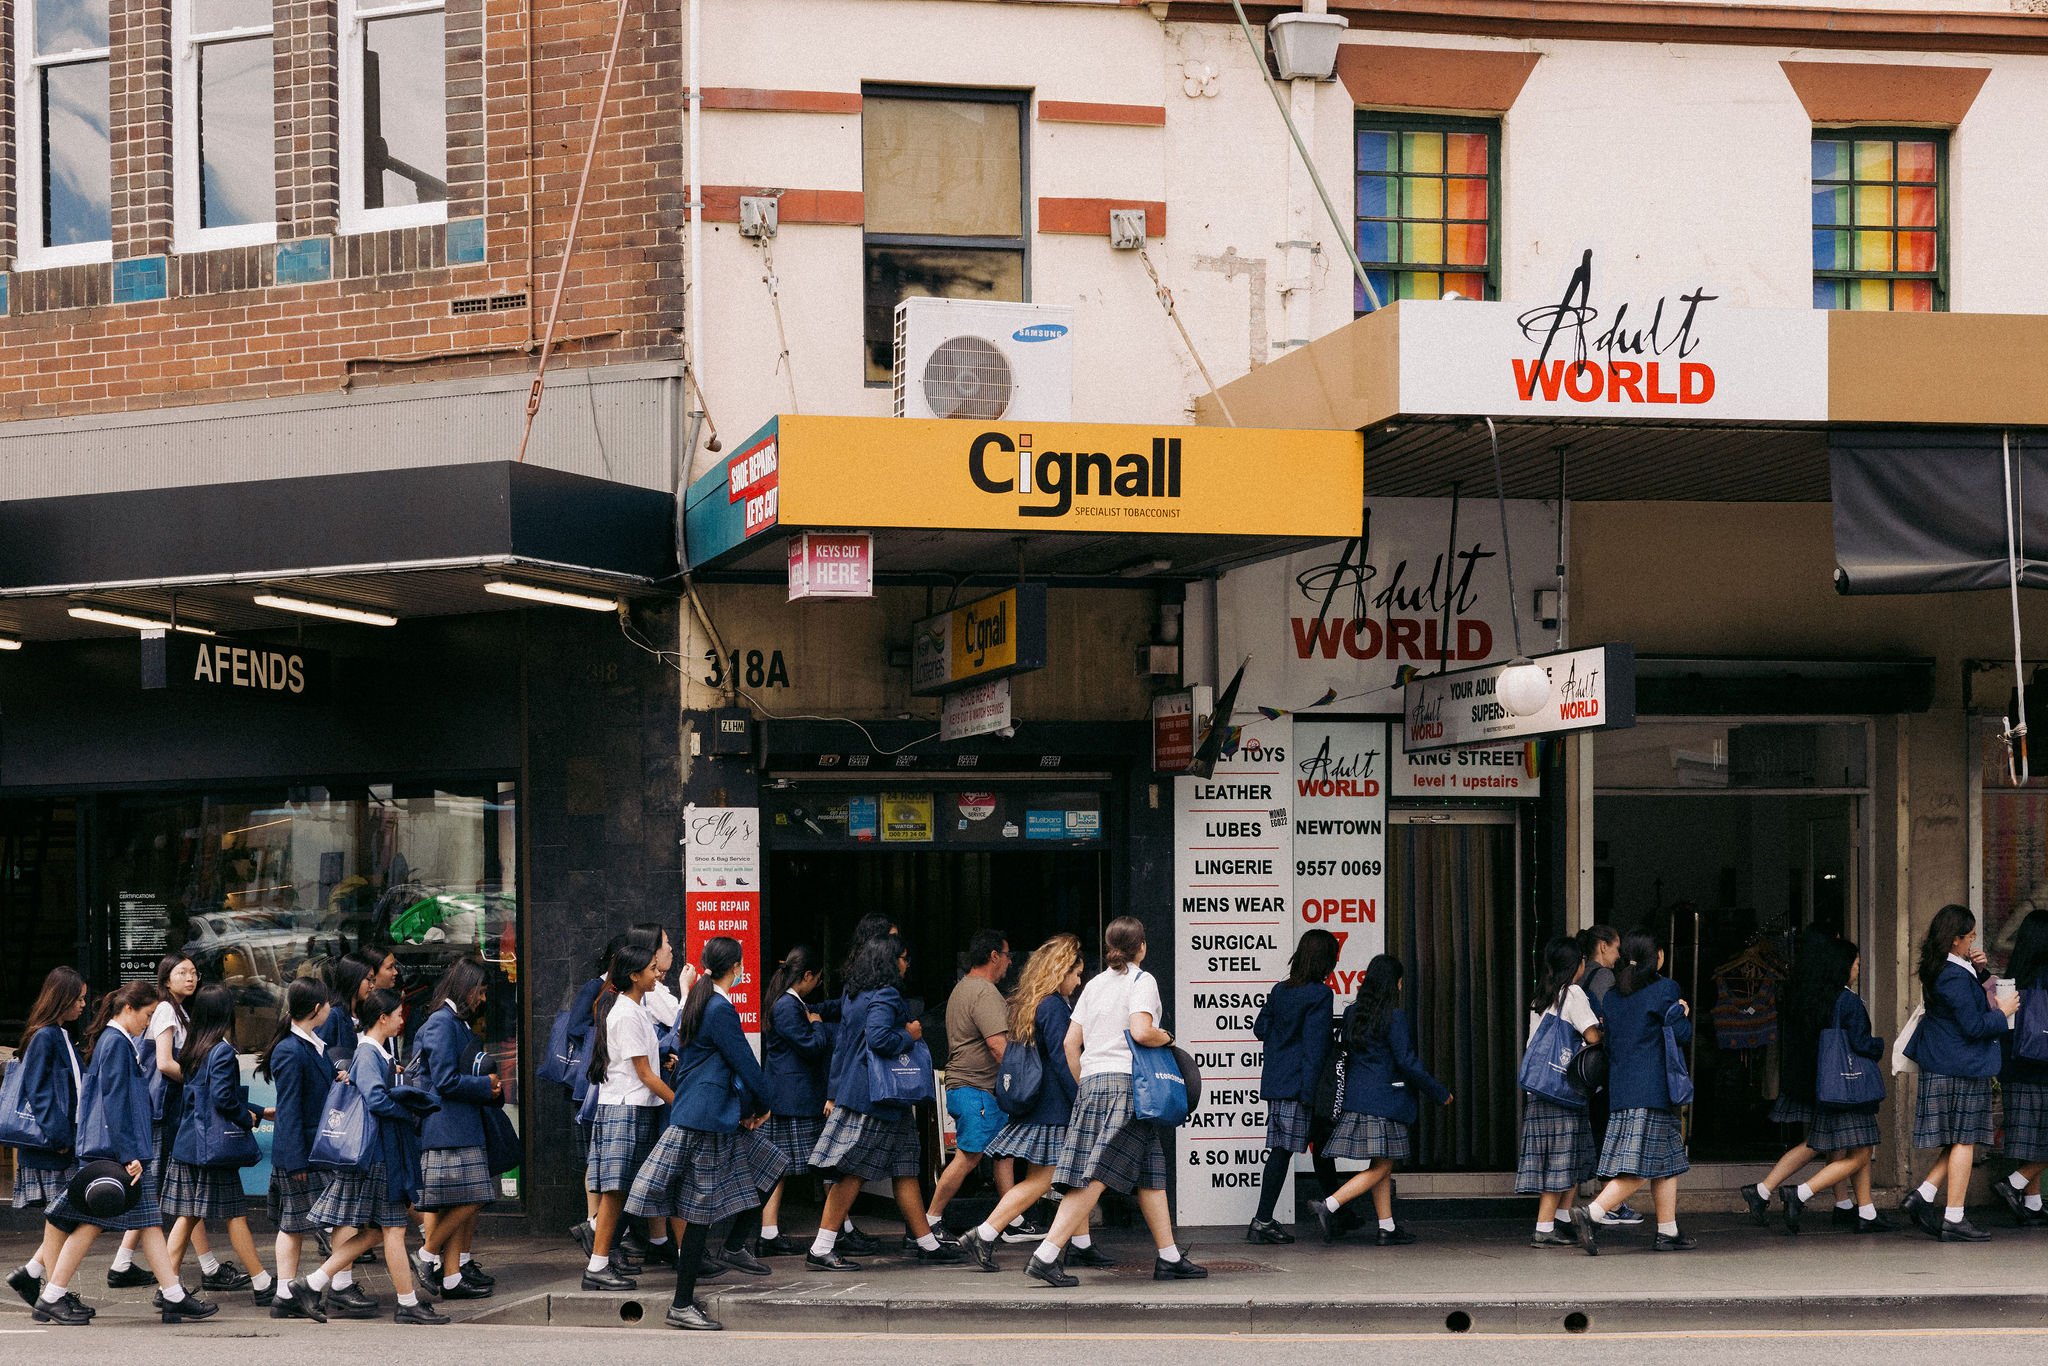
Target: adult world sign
[[1591, 689]]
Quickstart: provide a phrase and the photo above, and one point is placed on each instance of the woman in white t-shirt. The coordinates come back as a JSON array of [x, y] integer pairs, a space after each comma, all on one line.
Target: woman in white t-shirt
[[1107, 1148], [1558, 1151], [631, 1101]]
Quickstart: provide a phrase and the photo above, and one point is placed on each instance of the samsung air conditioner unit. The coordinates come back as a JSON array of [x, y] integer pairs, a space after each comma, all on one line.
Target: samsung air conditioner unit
[[966, 358]]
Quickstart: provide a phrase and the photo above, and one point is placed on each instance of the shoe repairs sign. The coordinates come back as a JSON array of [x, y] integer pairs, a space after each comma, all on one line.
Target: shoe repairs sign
[[722, 896]]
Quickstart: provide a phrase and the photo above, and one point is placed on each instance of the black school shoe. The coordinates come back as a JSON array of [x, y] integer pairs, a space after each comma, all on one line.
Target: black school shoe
[[945, 1254], [1086, 1256], [1266, 1231], [981, 1254], [830, 1261], [466, 1290], [352, 1303], [264, 1296], [427, 1278], [191, 1309], [1025, 1230], [1962, 1231], [30, 1288], [130, 1277], [1589, 1229], [303, 1303], [1793, 1209], [1674, 1242], [608, 1279], [1877, 1223], [473, 1272], [854, 1243], [1923, 1213], [65, 1313], [744, 1262], [1845, 1218], [1393, 1237], [692, 1319], [781, 1245], [1759, 1206], [1181, 1270], [227, 1277], [1051, 1273], [664, 1253], [421, 1313], [1557, 1237], [2015, 1202]]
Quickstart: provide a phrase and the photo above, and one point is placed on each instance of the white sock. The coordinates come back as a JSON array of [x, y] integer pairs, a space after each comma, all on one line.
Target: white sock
[[1386, 1225], [662, 1241], [260, 1281], [1763, 1190], [430, 1258], [1017, 1222], [1170, 1253], [985, 1233], [1046, 1252], [344, 1278], [409, 1300], [767, 1231], [1845, 1204], [1332, 1204], [2018, 1181], [284, 1290], [1564, 1214], [821, 1246], [466, 1259], [1081, 1240], [2032, 1202], [1669, 1230], [1953, 1214], [1927, 1191], [450, 1282], [208, 1263], [598, 1264], [1866, 1211], [930, 1242], [1546, 1225], [1597, 1214], [52, 1293], [1803, 1194], [848, 1227], [318, 1282], [174, 1293], [34, 1267], [123, 1259]]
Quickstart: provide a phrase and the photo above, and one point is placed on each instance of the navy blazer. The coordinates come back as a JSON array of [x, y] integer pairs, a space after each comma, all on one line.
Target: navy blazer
[[114, 1080], [716, 1073], [795, 1055], [1295, 1023], [1960, 1032], [1382, 1077], [871, 1023], [2018, 1069], [52, 1094], [302, 1075], [338, 1032], [398, 1128], [216, 1092], [1853, 1020], [451, 1049], [1635, 1045], [1049, 1036]]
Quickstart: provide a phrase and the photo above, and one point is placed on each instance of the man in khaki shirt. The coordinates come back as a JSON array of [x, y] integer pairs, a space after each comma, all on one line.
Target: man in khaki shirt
[[977, 1027]]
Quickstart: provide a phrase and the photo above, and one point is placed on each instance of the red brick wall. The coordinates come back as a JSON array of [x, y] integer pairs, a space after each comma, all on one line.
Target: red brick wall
[[229, 332]]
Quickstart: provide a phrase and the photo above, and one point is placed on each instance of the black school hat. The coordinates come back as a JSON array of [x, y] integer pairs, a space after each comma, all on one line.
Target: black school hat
[[103, 1190]]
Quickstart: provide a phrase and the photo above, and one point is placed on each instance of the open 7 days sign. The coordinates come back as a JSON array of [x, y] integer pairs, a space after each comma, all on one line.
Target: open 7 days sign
[[1592, 689]]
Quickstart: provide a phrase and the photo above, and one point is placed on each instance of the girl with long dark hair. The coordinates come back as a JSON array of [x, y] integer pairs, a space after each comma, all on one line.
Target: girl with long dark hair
[[1805, 1005], [1957, 1049], [1644, 1142], [1382, 1073], [2023, 1086], [300, 1068], [177, 977], [114, 1083], [52, 1075], [455, 1171], [625, 1069], [1294, 1022], [1557, 1150], [1848, 1134], [195, 1193], [796, 1050], [582, 1014], [710, 1163]]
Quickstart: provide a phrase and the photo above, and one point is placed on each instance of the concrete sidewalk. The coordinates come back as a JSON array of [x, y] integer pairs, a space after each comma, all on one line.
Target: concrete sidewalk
[[1465, 1275]]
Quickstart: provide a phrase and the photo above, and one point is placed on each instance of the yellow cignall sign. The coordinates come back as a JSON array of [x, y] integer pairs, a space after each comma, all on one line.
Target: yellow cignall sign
[[980, 641]]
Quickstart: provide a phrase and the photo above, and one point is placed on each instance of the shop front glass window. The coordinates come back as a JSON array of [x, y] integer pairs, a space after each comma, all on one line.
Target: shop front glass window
[[262, 888]]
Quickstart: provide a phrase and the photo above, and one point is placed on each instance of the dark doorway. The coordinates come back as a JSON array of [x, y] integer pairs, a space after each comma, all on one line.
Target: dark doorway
[[39, 900]]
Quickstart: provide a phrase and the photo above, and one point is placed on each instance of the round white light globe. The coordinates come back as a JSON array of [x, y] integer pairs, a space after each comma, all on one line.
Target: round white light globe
[[1523, 688]]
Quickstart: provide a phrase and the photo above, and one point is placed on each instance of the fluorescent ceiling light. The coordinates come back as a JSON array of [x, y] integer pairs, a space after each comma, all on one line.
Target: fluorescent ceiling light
[[9, 643], [556, 596], [325, 609], [133, 623]]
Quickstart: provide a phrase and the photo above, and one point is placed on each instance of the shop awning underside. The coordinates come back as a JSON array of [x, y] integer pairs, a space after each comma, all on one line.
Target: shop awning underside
[[905, 555], [411, 543]]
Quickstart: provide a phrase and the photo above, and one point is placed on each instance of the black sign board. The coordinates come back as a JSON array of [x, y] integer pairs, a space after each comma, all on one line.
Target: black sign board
[[280, 673]]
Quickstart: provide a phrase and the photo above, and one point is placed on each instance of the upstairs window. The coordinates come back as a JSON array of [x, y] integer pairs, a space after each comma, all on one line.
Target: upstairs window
[[1427, 212], [942, 180], [224, 184], [1879, 205], [394, 115], [63, 156]]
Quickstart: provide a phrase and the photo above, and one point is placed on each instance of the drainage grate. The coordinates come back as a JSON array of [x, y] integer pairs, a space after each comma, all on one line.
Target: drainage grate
[[496, 303]]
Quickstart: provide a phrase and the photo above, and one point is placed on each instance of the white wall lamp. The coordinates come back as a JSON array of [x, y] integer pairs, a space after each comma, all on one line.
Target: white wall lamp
[[133, 622], [554, 597], [1305, 45], [9, 643], [332, 611]]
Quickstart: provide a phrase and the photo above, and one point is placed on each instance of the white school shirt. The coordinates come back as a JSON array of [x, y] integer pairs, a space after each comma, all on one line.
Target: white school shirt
[[1578, 1012], [628, 1034], [166, 1018], [1104, 1009], [662, 1005]]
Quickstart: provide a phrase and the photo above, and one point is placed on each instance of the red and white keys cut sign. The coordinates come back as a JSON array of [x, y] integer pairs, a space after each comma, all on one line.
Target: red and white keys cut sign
[[831, 564], [722, 895]]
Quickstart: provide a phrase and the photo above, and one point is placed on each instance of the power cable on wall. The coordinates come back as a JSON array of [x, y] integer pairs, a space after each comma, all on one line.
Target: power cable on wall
[[782, 361], [1166, 302]]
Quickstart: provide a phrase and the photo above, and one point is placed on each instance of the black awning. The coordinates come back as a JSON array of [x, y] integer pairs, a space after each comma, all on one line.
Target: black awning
[[1924, 512], [1675, 685]]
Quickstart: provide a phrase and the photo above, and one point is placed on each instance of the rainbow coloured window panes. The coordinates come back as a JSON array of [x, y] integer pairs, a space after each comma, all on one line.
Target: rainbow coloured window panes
[[1425, 209], [1877, 220]]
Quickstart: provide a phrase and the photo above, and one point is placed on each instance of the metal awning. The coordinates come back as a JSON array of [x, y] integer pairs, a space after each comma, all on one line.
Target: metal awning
[[410, 543]]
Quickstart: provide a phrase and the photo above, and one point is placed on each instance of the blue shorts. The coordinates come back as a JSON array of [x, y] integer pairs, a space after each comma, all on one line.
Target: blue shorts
[[977, 1119]]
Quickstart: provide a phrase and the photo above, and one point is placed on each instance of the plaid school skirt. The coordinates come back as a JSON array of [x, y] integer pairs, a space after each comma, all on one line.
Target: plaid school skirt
[[361, 1200], [1952, 1110], [146, 1214], [2026, 1120], [1038, 1144], [1645, 1143], [583, 1136], [794, 1136], [40, 1185], [1785, 1110], [210, 1193], [1107, 1143], [703, 1177], [620, 1142], [868, 1147], [1362, 1138], [1557, 1148], [1287, 1126], [1834, 1131], [456, 1176], [291, 1200]]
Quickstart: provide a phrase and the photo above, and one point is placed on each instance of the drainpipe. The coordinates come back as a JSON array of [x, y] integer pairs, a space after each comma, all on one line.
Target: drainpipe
[[694, 280], [1298, 242]]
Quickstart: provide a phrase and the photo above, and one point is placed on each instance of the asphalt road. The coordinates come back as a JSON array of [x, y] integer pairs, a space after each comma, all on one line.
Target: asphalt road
[[388, 1345]]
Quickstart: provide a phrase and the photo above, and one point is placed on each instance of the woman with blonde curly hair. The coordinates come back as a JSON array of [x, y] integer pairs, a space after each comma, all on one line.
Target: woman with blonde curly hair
[[1040, 1009]]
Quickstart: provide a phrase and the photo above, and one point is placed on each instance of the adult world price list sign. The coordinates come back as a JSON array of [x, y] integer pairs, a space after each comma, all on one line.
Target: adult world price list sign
[[1233, 897], [722, 896]]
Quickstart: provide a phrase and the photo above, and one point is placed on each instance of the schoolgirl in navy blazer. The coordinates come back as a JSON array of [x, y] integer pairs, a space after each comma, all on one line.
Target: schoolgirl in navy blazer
[[1960, 1032], [718, 1082], [872, 1023], [1383, 1077], [1295, 1025], [215, 1091], [796, 1054], [1853, 1019], [50, 1087], [398, 1126], [1056, 1093], [302, 1075], [114, 1078], [1635, 1045], [451, 1049]]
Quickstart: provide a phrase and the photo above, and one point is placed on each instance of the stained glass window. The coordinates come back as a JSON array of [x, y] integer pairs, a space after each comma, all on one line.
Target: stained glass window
[[1878, 200], [1426, 213]]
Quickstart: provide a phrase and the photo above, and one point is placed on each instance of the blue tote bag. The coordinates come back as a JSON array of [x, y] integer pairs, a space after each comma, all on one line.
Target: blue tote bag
[[1676, 1078], [1159, 1090], [346, 1135], [20, 1127], [1844, 1078], [1019, 1079], [1547, 1066], [901, 1080], [2030, 1026]]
